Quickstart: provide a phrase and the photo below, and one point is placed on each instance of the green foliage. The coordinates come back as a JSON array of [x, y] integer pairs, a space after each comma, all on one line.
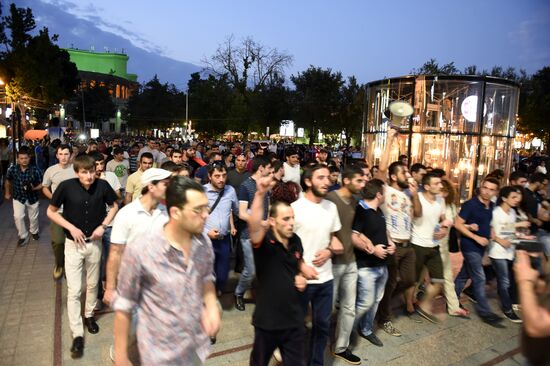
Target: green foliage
[[98, 104], [534, 117]]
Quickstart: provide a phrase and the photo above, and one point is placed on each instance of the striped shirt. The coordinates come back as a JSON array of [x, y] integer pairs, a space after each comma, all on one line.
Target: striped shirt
[[168, 296]]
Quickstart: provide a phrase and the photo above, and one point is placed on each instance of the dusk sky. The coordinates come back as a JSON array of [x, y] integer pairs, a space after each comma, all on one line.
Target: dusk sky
[[368, 39]]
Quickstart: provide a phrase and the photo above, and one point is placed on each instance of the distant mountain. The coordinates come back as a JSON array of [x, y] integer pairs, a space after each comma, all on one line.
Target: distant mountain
[[84, 34]]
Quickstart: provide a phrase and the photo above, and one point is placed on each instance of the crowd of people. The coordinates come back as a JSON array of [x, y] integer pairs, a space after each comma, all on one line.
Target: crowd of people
[[155, 225]]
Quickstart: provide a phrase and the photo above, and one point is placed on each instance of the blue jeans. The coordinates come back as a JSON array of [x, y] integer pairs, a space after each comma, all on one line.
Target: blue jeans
[[320, 296], [105, 246], [370, 291], [222, 252], [505, 282], [472, 268], [249, 269]]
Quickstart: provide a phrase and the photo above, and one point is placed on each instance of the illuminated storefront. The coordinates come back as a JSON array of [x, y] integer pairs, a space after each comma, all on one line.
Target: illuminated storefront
[[465, 125]]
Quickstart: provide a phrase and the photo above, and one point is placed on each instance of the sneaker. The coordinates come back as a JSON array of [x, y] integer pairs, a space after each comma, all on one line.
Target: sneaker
[[516, 307], [372, 338], [390, 329], [35, 236], [493, 320], [426, 315], [239, 303], [348, 357], [511, 316], [23, 242], [277, 355], [469, 293], [57, 273]]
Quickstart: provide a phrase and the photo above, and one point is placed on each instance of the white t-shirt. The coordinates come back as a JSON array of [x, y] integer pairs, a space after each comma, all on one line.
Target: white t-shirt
[[315, 223], [120, 168], [398, 211], [503, 225], [133, 221], [424, 227], [292, 173]]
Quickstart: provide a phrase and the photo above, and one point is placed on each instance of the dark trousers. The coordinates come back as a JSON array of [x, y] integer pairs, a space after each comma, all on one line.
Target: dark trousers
[[506, 283], [401, 276], [105, 247], [290, 342], [222, 252], [320, 296], [472, 268]]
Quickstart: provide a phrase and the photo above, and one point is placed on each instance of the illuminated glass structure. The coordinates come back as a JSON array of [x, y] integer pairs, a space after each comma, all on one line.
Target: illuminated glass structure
[[464, 125]]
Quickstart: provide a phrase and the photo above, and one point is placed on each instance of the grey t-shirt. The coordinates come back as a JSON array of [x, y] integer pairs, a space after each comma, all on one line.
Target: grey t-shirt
[[346, 211], [55, 174]]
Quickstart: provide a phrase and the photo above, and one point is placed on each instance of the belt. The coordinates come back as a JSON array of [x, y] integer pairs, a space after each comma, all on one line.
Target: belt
[[403, 244]]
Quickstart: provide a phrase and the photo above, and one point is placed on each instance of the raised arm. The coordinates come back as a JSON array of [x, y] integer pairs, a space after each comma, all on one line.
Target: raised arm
[[255, 228], [382, 173]]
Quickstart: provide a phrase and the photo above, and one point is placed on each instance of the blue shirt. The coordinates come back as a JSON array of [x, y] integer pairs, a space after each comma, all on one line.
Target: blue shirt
[[21, 179], [219, 218], [474, 211], [247, 191]]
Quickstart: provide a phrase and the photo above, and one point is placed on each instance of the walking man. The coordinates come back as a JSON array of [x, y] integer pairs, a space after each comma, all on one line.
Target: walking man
[[261, 167], [344, 267], [84, 200], [166, 275], [219, 227], [316, 223], [53, 177], [23, 181], [133, 185]]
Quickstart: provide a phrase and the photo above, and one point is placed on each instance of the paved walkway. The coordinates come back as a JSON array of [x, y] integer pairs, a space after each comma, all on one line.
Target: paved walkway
[[30, 334]]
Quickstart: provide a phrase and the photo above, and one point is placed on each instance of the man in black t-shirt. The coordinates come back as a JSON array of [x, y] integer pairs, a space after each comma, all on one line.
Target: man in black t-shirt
[[372, 247], [84, 220], [279, 316]]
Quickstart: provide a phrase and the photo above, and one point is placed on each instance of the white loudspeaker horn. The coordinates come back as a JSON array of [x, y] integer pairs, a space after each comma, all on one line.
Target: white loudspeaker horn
[[398, 112]]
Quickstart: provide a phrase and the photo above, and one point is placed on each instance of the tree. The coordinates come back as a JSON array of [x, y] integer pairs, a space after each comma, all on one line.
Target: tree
[[318, 99], [155, 105], [353, 97], [37, 72], [534, 116], [98, 104], [431, 67]]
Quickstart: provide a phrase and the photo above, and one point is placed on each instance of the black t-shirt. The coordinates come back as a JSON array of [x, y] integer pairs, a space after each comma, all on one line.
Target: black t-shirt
[[372, 224], [278, 301], [83, 208], [531, 204]]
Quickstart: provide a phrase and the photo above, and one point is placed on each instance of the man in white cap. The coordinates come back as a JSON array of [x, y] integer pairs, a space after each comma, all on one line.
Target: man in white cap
[[134, 220]]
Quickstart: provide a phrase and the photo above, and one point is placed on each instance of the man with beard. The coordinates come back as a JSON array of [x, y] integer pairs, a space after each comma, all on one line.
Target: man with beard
[[398, 210], [316, 223], [260, 168], [344, 267], [238, 174], [223, 203], [279, 316]]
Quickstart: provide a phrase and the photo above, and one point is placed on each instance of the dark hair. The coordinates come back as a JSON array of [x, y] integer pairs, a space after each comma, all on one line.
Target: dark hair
[[92, 142], [63, 147], [360, 164], [517, 175], [497, 173], [169, 165], [426, 179], [216, 165], [290, 151], [416, 167], [505, 193], [146, 155], [97, 156], [491, 180], [259, 161], [538, 178], [24, 150], [439, 172], [394, 168], [83, 162], [118, 150], [176, 192], [308, 173], [402, 156], [333, 169], [275, 206], [372, 188], [351, 171], [277, 165]]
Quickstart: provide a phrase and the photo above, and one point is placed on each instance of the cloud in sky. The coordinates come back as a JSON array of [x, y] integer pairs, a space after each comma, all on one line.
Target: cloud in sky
[[93, 13]]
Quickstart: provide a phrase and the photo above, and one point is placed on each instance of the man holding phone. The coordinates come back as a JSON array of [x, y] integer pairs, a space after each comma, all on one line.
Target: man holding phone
[[84, 220]]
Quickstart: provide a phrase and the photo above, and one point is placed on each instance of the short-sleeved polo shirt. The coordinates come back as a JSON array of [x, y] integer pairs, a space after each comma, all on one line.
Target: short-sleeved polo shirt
[[278, 304], [84, 208], [474, 211], [134, 221]]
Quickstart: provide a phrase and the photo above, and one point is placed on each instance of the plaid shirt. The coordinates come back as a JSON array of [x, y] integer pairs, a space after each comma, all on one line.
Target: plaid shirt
[[20, 179]]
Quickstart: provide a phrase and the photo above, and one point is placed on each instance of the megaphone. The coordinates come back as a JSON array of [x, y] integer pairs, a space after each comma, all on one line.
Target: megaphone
[[397, 113]]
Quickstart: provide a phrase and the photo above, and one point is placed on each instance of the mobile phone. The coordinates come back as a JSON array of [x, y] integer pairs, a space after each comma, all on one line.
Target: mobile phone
[[530, 246]]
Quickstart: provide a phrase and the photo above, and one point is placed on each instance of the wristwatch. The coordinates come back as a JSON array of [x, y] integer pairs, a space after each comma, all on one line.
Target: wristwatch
[[104, 226]]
